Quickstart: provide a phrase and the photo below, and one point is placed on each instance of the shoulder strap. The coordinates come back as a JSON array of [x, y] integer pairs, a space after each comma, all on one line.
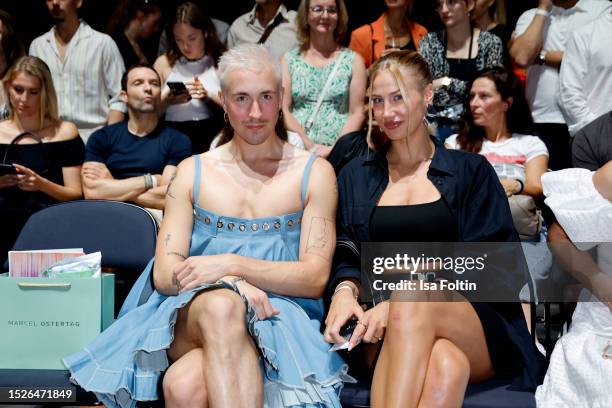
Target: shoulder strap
[[196, 179], [306, 177], [277, 20], [330, 78]]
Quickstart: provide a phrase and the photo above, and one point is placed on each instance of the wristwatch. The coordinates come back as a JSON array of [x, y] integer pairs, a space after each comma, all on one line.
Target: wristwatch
[[541, 59], [446, 81]]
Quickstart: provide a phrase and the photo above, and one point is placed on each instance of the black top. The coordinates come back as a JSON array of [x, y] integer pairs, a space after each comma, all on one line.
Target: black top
[[462, 68], [427, 222], [46, 159], [127, 51], [592, 145], [127, 155]]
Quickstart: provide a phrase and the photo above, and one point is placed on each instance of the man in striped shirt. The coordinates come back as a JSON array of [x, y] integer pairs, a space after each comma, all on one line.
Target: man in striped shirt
[[86, 67]]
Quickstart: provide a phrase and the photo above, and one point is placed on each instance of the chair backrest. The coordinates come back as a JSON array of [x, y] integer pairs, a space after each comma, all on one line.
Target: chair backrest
[[125, 233]]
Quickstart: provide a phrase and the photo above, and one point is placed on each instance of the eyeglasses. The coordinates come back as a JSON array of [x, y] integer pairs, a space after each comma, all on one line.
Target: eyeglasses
[[449, 3], [318, 10]]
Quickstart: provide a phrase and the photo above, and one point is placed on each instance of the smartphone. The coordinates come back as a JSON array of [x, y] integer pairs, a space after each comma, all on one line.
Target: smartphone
[[177, 88], [6, 169]]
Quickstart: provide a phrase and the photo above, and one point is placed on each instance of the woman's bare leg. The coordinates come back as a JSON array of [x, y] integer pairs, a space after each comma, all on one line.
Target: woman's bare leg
[[215, 322], [413, 329]]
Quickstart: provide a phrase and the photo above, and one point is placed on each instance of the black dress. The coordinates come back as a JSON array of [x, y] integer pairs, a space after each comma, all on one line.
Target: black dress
[[434, 222], [46, 159]]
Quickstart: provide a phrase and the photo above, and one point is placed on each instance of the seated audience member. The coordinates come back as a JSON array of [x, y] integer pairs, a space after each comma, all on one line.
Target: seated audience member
[[192, 61], [136, 159], [86, 67], [45, 152], [246, 248], [11, 49], [133, 23], [419, 191], [586, 74], [455, 55], [324, 83], [268, 23], [592, 145], [497, 127], [538, 44], [490, 15], [392, 31], [580, 373]]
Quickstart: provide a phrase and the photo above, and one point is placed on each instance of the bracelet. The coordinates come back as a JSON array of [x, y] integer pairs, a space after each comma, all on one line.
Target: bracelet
[[522, 186], [542, 12], [147, 181], [153, 181], [345, 286]]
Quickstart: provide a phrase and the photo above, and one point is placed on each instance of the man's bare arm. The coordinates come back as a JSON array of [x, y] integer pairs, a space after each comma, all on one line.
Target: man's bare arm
[[525, 48], [156, 197], [98, 183]]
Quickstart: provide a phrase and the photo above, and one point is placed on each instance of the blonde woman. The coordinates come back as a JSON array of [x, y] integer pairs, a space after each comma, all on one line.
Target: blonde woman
[[42, 155], [317, 108], [422, 353]]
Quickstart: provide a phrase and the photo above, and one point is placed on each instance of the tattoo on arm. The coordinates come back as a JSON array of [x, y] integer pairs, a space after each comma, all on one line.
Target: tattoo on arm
[[176, 254], [320, 240], [168, 192], [167, 239], [335, 187]]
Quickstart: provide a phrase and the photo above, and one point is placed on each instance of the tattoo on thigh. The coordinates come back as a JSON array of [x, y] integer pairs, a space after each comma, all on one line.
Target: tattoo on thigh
[[320, 240], [176, 254]]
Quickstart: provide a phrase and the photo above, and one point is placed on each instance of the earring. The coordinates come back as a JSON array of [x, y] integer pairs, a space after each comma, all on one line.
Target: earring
[[280, 114], [225, 117]]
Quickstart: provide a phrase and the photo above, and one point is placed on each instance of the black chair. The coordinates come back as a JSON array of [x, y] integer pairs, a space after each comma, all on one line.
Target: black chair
[[126, 235]]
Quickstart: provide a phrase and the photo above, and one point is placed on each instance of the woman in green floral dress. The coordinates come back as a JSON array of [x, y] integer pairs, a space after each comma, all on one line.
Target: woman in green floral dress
[[321, 25]]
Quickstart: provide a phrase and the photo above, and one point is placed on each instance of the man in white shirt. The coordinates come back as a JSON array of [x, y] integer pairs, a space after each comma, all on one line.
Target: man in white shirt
[[268, 23], [86, 67], [538, 43], [586, 74]]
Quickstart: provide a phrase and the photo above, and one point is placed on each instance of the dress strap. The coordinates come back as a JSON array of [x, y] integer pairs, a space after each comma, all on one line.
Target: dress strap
[[306, 177], [196, 179]]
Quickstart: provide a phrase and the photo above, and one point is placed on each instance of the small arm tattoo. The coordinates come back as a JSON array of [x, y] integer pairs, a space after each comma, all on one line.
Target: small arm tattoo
[[176, 254], [167, 239], [320, 240], [168, 192]]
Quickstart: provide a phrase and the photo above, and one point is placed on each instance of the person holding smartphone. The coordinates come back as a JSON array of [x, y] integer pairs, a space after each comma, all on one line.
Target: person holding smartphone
[[188, 70], [41, 154]]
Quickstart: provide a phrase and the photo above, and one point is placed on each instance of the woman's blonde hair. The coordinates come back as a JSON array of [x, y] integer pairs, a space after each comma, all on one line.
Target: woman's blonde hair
[[400, 64], [303, 29], [35, 67]]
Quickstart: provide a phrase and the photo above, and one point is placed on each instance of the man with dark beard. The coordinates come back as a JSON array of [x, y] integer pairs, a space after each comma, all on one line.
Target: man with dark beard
[[86, 67], [134, 160]]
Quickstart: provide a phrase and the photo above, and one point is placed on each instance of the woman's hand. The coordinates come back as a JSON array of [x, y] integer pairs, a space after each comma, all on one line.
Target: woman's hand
[[177, 99], [343, 308], [198, 270], [511, 186], [28, 180], [9, 180], [371, 326], [442, 82], [196, 89], [258, 299]]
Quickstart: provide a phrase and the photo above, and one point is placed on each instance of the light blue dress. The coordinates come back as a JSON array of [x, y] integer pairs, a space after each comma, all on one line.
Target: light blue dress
[[125, 362]]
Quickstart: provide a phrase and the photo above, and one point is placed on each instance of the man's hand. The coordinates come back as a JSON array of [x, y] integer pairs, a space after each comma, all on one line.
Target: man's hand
[[343, 308], [28, 180], [197, 270], [96, 171], [372, 325], [258, 299]]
